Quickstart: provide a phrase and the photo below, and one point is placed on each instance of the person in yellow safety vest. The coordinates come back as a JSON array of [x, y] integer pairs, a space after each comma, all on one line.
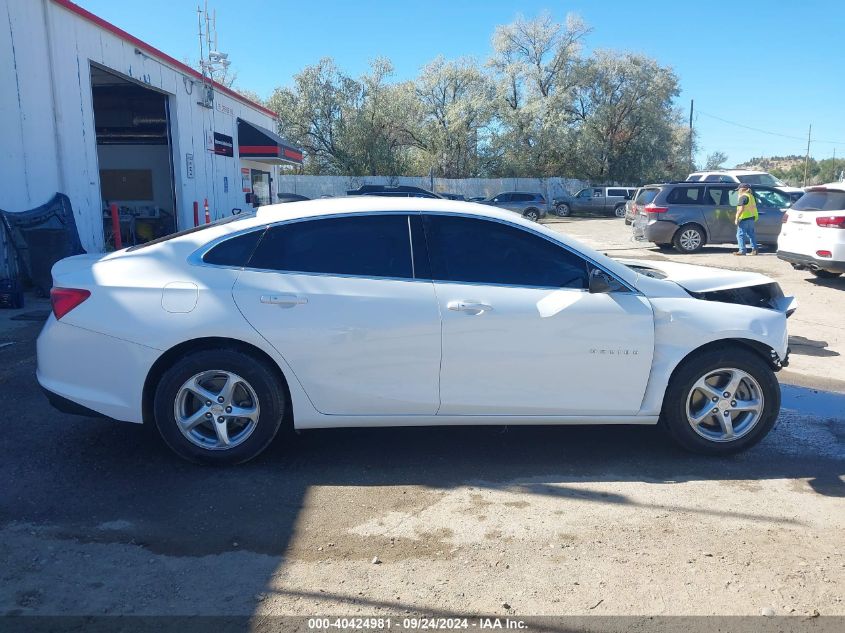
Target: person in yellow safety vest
[[746, 216]]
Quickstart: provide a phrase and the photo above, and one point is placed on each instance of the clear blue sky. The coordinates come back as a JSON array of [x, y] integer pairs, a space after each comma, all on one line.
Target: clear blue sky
[[776, 66]]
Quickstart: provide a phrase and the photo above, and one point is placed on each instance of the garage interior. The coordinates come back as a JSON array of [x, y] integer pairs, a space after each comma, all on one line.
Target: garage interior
[[135, 157]]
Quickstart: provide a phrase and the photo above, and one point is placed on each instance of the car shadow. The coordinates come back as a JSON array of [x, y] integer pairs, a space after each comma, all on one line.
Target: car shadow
[[809, 347], [834, 282]]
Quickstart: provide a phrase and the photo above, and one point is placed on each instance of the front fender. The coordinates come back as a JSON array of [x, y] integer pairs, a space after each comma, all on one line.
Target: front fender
[[683, 325]]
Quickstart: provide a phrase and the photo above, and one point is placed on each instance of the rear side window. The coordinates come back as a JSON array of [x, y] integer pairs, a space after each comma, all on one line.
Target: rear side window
[[235, 251], [471, 250], [646, 196], [365, 246], [821, 201], [617, 192], [685, 195], [522, 197]]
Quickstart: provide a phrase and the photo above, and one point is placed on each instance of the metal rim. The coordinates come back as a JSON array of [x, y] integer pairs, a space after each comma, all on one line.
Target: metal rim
[[725, 404], [620, 212], [690, 239], [563, 210], [216, 409], [532, 215]]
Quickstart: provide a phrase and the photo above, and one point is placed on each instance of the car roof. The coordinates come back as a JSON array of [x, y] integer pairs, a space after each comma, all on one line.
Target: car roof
[[830, 186]]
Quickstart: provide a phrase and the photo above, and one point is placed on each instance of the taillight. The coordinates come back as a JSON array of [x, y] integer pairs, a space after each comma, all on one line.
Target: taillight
[[832, 222], [66, 299], [653, 208], [542, 200], [824, 254]]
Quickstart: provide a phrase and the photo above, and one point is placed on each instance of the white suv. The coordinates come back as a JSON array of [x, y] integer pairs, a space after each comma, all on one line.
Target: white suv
[[742, 176], [813, 233]]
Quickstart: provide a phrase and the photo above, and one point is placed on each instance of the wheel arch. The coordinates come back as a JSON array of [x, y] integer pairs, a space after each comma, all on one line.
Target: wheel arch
[[763, 351], [167, 359]]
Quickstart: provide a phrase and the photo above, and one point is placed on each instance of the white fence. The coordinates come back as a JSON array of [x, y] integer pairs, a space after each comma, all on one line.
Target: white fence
[[318, 186]]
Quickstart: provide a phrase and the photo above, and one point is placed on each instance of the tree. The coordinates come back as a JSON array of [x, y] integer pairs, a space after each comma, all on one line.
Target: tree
[[715, 160], [626, 119], [454, 107], [536, 67]]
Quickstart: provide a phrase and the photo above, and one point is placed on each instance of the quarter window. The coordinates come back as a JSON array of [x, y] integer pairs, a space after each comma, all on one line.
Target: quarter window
[[366, 246], [235, 251], [685, 195], [486, 252]]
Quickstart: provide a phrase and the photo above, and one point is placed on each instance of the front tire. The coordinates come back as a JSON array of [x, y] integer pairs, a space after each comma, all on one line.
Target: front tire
[[219, 407], [689, 238], [721, 401], [563, 210]]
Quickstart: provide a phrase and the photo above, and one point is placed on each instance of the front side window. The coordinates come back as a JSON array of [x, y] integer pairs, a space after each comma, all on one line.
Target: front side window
[[480, 251], [584, 193], [772, 199], [366, 246]]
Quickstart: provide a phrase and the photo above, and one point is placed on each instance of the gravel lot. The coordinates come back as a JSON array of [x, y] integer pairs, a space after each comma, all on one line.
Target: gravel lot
[[99, 518]]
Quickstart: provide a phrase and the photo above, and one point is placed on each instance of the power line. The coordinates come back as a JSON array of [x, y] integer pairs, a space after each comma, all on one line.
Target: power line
[[756, 129]]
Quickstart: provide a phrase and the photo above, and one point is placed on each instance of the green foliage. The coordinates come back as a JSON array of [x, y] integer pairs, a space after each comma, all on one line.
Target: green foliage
[[539, 107]]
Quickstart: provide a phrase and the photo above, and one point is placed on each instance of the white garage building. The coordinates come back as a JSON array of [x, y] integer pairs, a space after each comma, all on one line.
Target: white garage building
[[89, 111]]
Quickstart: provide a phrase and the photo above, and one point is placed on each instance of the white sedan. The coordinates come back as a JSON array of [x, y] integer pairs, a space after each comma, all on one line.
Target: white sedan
[[395, 312]]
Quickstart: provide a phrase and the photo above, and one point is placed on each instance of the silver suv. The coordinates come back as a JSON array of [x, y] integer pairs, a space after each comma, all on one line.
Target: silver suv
[[531, 206], [691, 214]]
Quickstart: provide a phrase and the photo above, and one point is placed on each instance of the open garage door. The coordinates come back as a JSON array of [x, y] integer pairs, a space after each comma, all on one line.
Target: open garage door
[[135, 157]]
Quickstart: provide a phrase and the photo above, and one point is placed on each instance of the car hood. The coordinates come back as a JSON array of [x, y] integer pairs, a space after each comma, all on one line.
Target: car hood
[[718, 284]]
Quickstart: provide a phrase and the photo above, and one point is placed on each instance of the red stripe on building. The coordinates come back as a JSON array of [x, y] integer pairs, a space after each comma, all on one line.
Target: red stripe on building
[[289, 153], [272, 150]]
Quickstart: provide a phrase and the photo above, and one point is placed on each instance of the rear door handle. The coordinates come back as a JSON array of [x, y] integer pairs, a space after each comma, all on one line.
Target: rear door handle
[[284, 300], [472, 307]]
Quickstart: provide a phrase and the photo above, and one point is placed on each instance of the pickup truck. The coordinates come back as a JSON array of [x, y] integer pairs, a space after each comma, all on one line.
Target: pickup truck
[[594, 200]]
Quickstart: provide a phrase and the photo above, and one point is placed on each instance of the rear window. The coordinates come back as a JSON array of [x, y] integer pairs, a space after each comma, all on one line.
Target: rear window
[[193, 229], [647, 196], [821, 201], [685, 195]]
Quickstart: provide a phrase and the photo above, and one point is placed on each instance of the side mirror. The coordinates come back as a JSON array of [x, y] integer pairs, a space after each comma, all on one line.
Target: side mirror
[[602, 283]]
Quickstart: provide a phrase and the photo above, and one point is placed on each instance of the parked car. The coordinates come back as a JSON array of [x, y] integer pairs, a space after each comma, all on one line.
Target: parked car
[[812, 236], [531, 206], [594, 200], [399, 191], [689, 215], [452, 196], [631, 207], [291, 197], [749, 177], [375, 312]]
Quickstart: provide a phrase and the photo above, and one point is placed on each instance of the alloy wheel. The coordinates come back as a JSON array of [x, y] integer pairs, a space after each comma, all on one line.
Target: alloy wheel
[[724, 404], [216, 409], [690, 239]]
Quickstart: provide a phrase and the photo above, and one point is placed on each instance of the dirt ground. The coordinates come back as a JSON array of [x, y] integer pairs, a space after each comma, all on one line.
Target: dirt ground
[[99, 518]]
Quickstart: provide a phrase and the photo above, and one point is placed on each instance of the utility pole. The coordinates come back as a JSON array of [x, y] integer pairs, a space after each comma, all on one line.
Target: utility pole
[[807, 157], [691, 164]]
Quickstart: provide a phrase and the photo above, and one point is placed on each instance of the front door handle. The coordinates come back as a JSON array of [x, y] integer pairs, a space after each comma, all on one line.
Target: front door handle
[[284, 300], [472, 307]]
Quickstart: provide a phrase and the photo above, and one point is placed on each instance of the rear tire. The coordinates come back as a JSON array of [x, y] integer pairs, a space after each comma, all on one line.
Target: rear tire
[[200, 427], [690, 238], [532, 214], [825, 274], [619, 211], [707, 375]]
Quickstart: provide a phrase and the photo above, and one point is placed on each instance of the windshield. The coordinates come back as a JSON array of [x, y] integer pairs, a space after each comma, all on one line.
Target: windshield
[[193, 229], [760, 179], [821, 201]]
